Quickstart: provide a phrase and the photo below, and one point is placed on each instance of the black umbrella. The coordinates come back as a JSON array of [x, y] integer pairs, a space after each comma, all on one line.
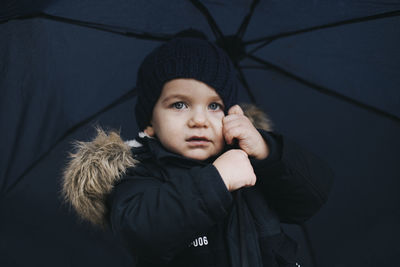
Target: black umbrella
[[326, 71]]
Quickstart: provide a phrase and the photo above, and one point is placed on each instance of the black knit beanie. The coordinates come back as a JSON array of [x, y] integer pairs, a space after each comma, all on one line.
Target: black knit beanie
[[183, 57]]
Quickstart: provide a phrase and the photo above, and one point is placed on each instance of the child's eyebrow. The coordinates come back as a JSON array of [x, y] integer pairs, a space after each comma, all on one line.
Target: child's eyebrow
[[174, 96], [216, 99]]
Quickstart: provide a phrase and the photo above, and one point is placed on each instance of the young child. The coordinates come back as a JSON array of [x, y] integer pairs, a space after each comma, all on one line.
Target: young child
[[200, 185]]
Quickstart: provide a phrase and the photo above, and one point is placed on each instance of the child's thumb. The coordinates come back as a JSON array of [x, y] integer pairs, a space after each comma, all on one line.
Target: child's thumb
[[236, 109]]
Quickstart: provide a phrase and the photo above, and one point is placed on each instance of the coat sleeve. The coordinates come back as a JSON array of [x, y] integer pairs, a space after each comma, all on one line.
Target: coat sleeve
[[158, 219], [295, 182]]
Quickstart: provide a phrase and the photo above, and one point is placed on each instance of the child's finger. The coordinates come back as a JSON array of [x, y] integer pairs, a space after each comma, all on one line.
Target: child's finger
[[228, 137], [231, 133], [236, 109], [231, 121], [227, 134], [235, 120]]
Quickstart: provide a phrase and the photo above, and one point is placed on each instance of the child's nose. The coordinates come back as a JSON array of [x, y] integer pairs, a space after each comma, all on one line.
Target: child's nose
[[198, 119]]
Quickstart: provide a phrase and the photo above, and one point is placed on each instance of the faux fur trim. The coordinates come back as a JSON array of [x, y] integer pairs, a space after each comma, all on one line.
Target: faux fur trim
[[96, 166], [258, 117], [91, 172]]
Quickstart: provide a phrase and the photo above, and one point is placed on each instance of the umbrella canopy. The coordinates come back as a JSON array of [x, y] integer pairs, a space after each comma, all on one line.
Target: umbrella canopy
[[326, 71]]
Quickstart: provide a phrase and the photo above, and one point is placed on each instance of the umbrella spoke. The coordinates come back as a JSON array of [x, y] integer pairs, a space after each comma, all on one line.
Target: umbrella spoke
[[324, 90], [242, 29], [266, 42], [213, 25], [110, 28], [246, 85], [330, 25]]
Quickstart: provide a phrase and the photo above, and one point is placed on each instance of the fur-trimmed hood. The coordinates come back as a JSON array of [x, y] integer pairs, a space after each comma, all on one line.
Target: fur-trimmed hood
[[95, 166]]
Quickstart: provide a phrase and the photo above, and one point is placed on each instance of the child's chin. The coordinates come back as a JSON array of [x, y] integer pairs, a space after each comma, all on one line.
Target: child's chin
[[199, 156]]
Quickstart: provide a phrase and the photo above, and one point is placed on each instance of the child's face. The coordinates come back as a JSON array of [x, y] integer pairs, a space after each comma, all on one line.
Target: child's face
[[187, 119]]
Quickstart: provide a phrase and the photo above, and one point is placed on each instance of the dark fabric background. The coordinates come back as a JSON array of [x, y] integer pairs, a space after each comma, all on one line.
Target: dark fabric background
[[59, 78]]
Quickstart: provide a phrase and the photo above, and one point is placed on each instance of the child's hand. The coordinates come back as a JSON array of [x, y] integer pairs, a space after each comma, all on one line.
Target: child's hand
[[237, 126], [235, 169]]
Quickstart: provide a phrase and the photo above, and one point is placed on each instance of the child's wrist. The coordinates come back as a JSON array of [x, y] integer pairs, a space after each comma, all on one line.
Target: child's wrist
[[263, 151]]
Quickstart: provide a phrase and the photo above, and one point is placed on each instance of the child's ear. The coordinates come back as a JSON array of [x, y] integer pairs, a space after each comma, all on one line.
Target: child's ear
[[149, 131]]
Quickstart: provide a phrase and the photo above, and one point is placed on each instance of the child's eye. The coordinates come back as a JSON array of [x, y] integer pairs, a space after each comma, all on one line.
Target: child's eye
[[179, 105], [215, 106]]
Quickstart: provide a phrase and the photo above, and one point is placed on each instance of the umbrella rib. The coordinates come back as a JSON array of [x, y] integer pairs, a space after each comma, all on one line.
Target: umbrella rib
[[246, 85], [260, 46], [243, 27], [106, 28], [325, 90], [120, 100], [213, 25], [330, 25]]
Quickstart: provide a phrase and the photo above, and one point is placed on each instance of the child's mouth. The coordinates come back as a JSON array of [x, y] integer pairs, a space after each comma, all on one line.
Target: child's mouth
[[198, 140]]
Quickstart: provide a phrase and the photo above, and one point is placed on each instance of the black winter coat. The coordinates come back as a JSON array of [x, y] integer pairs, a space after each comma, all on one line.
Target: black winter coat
[[174, 211]]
